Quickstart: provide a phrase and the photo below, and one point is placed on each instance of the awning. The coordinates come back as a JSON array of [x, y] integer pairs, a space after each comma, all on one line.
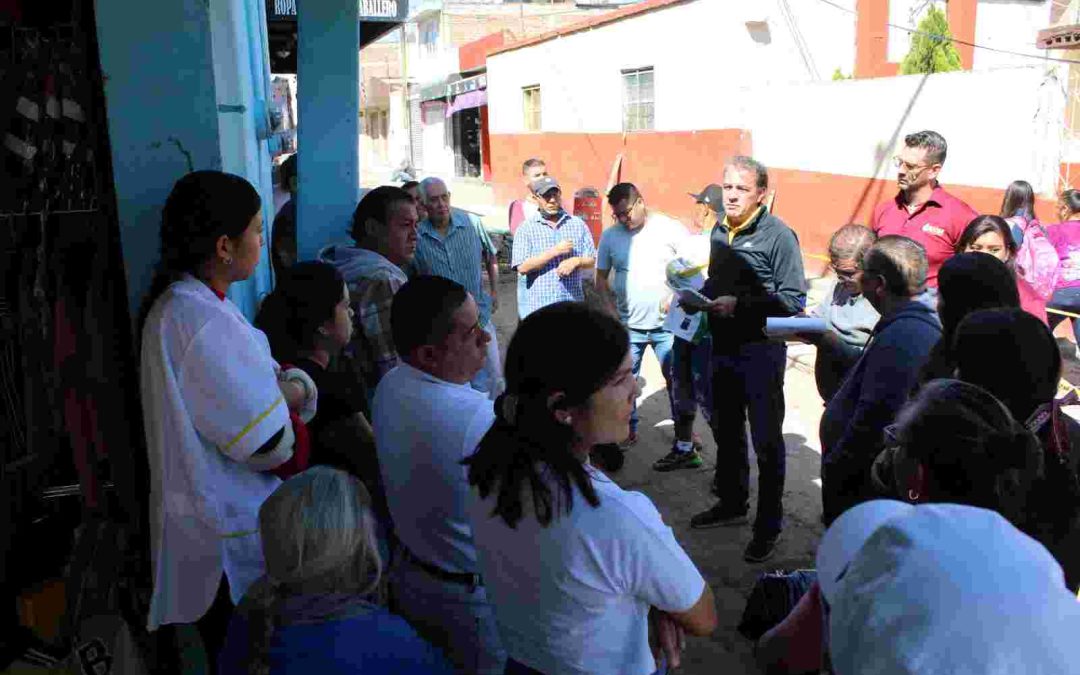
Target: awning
[[433, 91], [466, 85], [472, 99]]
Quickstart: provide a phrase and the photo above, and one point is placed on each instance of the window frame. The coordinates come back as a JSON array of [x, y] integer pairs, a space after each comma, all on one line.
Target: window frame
[[638, 106], [532, 108]]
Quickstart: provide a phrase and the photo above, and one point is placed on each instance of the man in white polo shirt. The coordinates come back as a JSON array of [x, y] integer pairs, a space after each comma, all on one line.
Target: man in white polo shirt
[[427, 419]]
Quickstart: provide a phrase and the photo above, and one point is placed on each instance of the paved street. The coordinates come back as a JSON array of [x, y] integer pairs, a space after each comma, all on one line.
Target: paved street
[[680, 494]]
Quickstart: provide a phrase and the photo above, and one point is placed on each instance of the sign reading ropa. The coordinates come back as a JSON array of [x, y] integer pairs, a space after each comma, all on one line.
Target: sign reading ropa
[[370, 10]]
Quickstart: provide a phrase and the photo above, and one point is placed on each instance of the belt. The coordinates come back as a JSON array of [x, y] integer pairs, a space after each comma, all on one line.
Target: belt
[[472, 580]]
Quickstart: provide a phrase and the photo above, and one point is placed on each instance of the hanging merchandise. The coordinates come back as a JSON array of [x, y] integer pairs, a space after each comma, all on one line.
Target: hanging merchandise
[[70, 439]]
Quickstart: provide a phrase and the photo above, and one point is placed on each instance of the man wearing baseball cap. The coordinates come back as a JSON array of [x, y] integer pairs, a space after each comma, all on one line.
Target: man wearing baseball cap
[[691, 373], [551, 251]]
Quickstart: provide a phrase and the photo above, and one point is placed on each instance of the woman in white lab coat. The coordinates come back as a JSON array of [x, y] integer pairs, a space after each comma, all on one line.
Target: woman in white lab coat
[[216, 407]]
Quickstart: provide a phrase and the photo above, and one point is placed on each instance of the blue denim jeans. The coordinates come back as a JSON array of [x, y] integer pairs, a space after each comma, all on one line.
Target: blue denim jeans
[[458, 620], [749, 381], [662, 342], [691, 384], [1067, 299]]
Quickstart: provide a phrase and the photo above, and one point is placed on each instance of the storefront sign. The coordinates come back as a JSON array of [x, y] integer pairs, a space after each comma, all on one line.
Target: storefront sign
[[475, 83], [370, 10]]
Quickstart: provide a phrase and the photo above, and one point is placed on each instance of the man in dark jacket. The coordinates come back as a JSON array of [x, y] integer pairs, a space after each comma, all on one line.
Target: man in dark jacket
[[755, 271], [893, 275]]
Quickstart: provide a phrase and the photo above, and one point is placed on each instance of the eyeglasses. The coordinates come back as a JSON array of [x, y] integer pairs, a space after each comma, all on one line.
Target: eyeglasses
[[845, 275], [907, 167], [623, 215]]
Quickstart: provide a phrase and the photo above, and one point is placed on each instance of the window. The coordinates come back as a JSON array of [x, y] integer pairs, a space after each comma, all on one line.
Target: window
[[637, 99], [429, 35], [531, 103]]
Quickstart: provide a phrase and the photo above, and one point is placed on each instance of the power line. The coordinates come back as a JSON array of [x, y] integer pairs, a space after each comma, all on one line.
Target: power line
[[915, 31]]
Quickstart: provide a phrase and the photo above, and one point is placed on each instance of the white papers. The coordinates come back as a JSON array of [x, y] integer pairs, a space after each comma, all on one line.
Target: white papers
[[792, 325], [683, 325]]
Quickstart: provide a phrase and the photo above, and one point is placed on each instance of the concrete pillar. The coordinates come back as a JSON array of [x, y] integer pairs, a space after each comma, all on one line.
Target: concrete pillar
[[157, 62], [185, 90], [328, 99]]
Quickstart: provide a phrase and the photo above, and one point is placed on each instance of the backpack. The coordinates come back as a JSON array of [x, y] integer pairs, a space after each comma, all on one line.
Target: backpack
[[1037, 260]]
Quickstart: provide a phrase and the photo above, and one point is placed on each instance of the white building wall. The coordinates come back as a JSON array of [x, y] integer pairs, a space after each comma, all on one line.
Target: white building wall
[[438, 154], [1010, 25], [1002, 122], [703, 53], [849, 127]]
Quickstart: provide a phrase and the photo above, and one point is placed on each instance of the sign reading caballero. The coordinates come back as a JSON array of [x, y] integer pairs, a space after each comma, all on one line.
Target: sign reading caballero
[[370, 10]]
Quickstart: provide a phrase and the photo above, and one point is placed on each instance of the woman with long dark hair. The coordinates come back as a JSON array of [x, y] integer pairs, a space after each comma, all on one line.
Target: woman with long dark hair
[[217, 421], [1015, 358], [1018, 209], [990, 234], [577, 567], [308, 320], [967, 282]]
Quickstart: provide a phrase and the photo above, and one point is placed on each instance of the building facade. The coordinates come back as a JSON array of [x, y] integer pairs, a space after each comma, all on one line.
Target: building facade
[[660, 92], [426, 85]]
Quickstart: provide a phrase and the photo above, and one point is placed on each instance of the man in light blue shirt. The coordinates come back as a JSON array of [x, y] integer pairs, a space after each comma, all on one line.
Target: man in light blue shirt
[[638, 248], [451, 244], [552, 250]]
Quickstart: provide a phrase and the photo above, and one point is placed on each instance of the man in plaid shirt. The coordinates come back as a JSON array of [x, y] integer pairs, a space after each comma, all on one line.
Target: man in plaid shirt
[[384, 229], [551, 250]]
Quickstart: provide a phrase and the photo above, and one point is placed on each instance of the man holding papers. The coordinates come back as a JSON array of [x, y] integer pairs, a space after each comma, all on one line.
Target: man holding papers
[[691, 353], [755, 271]]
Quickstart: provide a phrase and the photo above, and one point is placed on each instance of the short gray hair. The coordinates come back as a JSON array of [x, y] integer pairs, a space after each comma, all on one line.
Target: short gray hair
[[900, 262], [318, 534], [427, 183], [851, 242], [750, 164]]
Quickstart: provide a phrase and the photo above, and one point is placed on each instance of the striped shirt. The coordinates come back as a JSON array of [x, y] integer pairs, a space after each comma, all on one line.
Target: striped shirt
[[458, 256], [544, 286]]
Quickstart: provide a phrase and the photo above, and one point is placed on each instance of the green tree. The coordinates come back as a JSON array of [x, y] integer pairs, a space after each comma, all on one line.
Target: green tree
[[839, 75], [932, 49]]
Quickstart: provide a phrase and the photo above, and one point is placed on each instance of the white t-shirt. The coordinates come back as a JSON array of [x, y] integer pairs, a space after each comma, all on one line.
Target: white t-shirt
[[696, 249], [640, 259], [424, 427], [211, 399], [574, 597]]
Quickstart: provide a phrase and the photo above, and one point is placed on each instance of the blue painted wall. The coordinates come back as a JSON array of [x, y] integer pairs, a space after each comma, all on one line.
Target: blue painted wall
[[161, 92], [242, 80], [328, 98]]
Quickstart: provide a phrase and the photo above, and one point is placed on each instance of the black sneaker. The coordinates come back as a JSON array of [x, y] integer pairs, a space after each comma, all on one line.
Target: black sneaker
[[761, 548], [719, 516], [678, 460]]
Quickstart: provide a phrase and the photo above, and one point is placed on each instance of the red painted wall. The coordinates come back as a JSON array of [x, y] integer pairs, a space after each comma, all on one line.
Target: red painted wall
[[485, 145], [668, 165], [872, 39], [473, 55], [872, 36], [1071, 172], [664, 165]]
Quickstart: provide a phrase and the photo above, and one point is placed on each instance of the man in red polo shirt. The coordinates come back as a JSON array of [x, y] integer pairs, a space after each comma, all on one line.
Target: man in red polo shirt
[[922, 210]]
